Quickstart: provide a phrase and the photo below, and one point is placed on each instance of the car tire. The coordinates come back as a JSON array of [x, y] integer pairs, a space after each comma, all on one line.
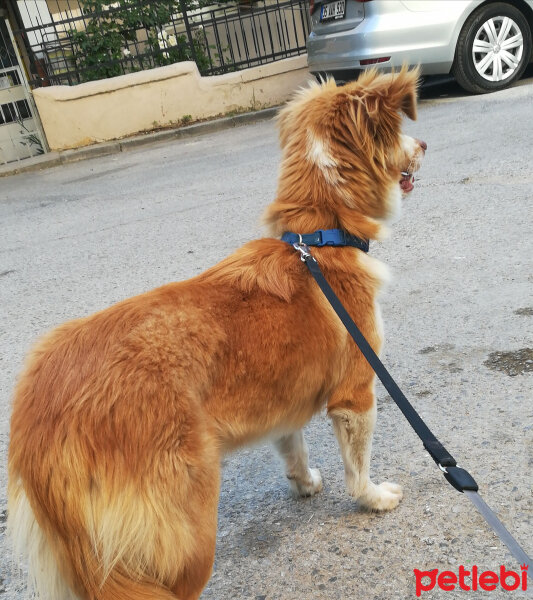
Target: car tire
[[492, 67]]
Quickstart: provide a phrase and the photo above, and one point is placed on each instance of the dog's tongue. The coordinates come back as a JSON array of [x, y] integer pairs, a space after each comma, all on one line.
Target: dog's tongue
[[407, 184]]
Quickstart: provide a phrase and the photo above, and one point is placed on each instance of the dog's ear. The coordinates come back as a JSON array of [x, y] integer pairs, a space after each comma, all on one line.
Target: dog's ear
[[403, 91], [383, 95]]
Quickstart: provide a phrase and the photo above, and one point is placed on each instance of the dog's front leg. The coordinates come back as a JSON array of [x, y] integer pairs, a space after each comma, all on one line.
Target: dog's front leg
[[293, 449], [354, 431]]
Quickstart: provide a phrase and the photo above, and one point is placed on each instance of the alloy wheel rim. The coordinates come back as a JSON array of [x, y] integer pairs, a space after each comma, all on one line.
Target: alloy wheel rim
[[498, 48]]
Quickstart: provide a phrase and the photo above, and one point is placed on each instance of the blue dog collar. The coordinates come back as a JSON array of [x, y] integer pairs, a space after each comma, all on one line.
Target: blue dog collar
[[326, 237]]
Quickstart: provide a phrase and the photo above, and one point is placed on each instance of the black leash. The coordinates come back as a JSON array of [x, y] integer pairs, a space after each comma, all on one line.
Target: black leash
[[459, 478]]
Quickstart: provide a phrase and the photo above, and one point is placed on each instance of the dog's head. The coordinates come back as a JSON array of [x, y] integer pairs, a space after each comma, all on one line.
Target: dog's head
[[345, 161]]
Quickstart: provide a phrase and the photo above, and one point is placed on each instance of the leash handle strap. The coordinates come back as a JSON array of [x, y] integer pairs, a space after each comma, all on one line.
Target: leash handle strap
[[436, 450], [516, 550]]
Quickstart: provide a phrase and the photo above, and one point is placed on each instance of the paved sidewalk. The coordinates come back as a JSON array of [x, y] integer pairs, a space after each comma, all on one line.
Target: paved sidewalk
[[54, 158]]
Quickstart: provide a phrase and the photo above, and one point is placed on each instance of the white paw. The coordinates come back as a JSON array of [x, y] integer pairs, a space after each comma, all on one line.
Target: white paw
[[308, 486], [384, 496]]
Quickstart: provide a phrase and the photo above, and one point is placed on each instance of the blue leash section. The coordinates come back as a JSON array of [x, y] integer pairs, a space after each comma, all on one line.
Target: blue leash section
[[459, 478]]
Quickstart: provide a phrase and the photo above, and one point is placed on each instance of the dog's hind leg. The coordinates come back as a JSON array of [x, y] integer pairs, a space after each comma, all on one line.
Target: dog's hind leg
[[293, 449], [196, 575], [197, 571], [120, 587], [354, 429]]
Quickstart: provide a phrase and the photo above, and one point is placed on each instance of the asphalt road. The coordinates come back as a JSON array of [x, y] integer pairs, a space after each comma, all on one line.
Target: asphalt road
[[458, 320]]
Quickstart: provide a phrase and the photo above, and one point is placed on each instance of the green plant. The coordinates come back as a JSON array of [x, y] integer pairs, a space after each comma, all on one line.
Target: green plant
[[186, 119], [31, 139], [168, 49], [102, 49]]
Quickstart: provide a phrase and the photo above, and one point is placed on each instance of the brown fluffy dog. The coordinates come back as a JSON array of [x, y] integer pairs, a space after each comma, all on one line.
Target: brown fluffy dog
[[120, 419]]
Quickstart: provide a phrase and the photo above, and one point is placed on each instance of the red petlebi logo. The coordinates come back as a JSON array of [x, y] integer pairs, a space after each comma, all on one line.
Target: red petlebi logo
[[471, 580]]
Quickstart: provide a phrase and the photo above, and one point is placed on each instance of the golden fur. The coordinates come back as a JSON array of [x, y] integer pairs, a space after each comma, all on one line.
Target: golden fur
[[120, 419]]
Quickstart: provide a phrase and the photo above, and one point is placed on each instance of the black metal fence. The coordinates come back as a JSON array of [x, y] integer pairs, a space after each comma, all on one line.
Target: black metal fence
[[72, 41]]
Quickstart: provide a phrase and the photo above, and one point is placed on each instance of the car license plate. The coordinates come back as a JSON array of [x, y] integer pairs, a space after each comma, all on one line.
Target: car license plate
[[333, 10]]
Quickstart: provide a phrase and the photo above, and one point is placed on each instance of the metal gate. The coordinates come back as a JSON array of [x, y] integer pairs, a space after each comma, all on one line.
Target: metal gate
[[21, 134]]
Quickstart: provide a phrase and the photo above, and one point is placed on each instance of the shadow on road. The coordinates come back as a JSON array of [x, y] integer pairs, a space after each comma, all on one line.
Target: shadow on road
[[445, 86]]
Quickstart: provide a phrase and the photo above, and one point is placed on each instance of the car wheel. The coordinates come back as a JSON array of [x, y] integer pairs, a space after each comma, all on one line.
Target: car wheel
[[493, 49]]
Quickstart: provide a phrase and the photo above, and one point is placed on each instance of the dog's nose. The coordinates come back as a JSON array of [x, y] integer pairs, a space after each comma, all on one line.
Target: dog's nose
[[422, 144]]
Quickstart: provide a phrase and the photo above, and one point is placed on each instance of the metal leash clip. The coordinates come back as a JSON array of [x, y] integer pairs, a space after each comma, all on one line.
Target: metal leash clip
[[303, 249]]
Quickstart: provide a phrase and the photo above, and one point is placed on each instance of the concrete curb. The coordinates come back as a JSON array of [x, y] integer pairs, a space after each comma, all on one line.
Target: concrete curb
[[53, 159]]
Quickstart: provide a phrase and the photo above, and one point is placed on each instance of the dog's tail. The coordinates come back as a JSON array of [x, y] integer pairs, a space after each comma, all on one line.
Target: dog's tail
[[111, 501], [54, 580], [128, 552], [30, 542]]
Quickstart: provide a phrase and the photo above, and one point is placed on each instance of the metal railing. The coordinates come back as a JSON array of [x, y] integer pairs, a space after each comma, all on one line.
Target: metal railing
[[72, 41]]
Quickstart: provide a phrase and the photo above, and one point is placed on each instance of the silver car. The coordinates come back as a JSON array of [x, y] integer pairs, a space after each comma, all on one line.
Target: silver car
[[484, 45]]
